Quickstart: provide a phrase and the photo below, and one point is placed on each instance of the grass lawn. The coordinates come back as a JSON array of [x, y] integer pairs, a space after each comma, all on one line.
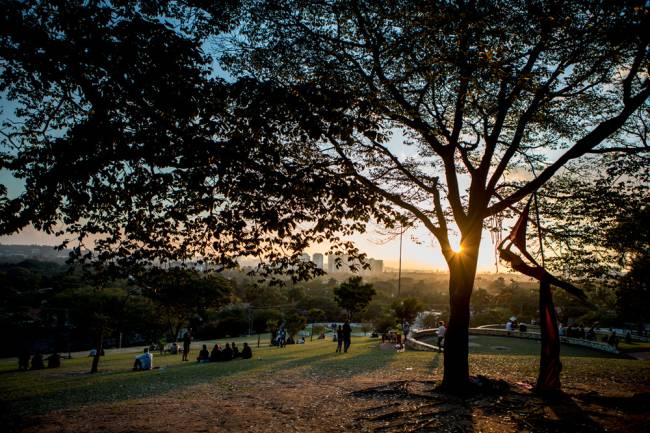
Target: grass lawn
[[307, 375], [635, 346]]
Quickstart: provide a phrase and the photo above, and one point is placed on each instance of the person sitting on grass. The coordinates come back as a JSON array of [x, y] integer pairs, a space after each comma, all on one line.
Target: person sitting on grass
[[143, 361], [235, 350], [54, 360], [37, 362], [226, 353], [204, 355], [246, 352], [215, 355]]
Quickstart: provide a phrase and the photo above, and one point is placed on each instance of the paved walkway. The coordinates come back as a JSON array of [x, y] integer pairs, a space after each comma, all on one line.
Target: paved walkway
[[643, 356]]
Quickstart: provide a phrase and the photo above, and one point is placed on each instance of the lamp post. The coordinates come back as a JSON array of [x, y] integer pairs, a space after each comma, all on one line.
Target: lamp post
[[399, 269]]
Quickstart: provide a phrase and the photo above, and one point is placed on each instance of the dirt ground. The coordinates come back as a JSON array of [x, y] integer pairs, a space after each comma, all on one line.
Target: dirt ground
[[362, 404]]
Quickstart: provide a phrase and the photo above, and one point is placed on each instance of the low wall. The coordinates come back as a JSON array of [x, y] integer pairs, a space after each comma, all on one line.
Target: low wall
[[415, 344]]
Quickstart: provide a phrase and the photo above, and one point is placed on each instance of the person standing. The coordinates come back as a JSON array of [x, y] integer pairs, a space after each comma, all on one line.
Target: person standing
[[23, 359], [282, 336], [339, 339], [187, 341], [441, 334], [347, 334]]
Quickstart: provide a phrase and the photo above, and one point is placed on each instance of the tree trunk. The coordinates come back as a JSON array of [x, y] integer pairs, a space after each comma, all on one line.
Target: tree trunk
[[99, 345], [462, 271]]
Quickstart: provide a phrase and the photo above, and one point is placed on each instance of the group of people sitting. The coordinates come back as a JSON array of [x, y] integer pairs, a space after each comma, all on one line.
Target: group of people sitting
[[228, 353], [37, 361], [577, 332], [144, 361]]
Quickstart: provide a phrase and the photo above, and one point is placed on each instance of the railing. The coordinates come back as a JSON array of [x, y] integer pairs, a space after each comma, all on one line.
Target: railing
[[413, 343]]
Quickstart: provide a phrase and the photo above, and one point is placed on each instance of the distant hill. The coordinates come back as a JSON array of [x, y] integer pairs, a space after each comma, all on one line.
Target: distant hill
[[19, 253]]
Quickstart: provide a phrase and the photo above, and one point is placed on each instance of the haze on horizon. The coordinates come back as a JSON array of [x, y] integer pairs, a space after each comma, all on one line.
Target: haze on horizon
[[421, 253]]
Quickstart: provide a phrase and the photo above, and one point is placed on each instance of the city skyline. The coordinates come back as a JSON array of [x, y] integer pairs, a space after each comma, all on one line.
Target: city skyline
[[418, 252]]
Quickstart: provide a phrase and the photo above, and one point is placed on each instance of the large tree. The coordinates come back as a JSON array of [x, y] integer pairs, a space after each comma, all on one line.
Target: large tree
[[129, 138], [479, 90]]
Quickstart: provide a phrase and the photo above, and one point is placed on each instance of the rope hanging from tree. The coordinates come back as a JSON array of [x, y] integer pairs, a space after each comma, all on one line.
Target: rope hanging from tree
[[496, 235]]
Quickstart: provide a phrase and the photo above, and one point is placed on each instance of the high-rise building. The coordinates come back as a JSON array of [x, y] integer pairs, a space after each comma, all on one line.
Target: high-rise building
[[376, 266], [304, 257], [344, 265], [317, 258]]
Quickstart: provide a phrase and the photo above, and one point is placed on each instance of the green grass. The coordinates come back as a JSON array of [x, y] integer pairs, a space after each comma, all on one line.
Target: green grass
[[36, 392], [635, 346]]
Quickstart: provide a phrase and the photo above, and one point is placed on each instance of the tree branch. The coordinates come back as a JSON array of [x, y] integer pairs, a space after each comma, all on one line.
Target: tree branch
[[582, 146]]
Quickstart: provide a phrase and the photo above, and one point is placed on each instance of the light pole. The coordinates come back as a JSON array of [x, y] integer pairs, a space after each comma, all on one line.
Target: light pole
[[399, 269]]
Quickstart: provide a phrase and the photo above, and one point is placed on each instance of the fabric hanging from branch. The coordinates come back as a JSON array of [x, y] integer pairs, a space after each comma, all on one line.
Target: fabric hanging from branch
[[550, 365]]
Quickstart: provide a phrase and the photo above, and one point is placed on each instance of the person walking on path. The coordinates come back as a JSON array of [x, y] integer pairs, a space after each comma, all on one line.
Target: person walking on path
[[441, 334], [339, 339], [187, 341], [347, 334]]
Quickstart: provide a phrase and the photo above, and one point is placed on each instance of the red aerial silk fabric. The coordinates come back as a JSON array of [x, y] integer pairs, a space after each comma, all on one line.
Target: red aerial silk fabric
[[549, 364]]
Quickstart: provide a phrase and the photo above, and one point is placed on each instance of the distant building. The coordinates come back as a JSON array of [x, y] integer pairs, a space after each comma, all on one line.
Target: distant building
[[376, 266], [343, 263], [317, 258], [305, 257]]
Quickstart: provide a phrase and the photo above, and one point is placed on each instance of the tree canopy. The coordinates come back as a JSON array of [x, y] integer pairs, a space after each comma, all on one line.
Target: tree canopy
[[353, 295], [407, 309], [131, 147]]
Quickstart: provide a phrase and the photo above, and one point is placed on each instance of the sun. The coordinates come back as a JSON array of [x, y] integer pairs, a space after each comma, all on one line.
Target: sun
[[456, 247]]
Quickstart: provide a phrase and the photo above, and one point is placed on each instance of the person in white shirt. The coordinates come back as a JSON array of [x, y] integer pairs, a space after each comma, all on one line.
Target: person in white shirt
[[441, 334], [143, 361]]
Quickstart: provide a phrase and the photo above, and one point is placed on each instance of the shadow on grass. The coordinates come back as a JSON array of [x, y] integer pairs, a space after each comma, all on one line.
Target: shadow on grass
[[435, 363], [71, 389], [360, 360]]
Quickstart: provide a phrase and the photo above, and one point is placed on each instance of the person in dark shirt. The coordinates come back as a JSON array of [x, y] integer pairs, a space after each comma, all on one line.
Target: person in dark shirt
[[23, 360], [37, 362], [204, 355], [226, 354], [54, 360], [235, 350], [246, 352], [347, 334], [215, 355], [187, 341]]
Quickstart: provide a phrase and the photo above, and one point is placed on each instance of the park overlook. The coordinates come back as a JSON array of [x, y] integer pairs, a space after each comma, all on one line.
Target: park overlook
[[235, 196]]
